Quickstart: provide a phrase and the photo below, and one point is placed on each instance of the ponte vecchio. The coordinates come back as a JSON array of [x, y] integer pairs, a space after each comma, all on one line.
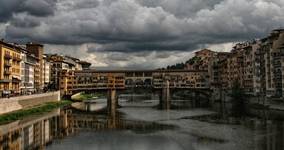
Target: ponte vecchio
[[161, 81]]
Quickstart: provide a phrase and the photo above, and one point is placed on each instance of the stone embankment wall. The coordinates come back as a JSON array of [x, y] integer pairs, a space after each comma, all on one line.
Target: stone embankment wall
[[22, 102]]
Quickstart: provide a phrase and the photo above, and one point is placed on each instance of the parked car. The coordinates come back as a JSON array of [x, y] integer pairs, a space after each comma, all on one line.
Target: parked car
[[6, 93]]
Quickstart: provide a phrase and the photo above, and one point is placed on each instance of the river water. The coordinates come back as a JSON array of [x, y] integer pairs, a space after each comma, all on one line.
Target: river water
[[138, 125]]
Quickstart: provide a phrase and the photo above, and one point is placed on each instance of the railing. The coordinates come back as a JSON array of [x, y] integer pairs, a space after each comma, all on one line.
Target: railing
[[7, 72], [17, 58], [7, 56], [122, 86], [5, 80], [7, 64]]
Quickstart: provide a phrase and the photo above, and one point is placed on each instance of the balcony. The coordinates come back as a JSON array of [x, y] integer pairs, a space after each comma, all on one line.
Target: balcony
[[16, 80], [17, 58], [7, 64], [5, 81], [7, 72], [7, 56]]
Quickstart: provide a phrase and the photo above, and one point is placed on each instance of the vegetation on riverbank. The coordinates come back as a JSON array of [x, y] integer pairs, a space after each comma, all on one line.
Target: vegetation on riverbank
[[86, 96], [17, 115]]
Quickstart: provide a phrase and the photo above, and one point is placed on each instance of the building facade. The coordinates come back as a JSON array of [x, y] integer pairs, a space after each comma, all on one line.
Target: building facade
[[25, 69], [28, 64], [273, 47], [203, 60], [37, 50], [258, 66], [242, 66], [10, 71], [59, 63], [46, 72]]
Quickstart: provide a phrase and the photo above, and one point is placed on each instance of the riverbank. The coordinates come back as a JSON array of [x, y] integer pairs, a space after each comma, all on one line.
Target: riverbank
[[20, 114], [8, 105]]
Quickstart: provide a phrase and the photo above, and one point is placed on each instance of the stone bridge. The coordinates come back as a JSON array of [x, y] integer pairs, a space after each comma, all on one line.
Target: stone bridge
[[161, 81]]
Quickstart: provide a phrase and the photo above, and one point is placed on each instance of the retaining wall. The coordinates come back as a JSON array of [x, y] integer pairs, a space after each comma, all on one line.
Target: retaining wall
[[22, 102]]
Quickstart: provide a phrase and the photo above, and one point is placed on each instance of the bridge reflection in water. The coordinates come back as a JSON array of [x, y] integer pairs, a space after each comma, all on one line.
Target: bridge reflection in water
[[39, 131]]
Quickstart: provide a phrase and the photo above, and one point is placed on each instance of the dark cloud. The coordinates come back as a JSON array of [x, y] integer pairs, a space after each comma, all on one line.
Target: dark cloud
[[41, 8], [85, 4], [38, 7], [7, 8], [118, 57], [24, 21], [181, 8], [163, 55], [143, 46], [139, 27], [136, 60]]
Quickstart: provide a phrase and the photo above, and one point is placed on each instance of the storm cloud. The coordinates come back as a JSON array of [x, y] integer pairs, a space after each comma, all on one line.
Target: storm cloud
[[121, 27], [41, 8]]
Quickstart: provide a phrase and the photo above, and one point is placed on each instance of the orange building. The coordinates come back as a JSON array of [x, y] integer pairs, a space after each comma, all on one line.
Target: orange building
[[10, 70]]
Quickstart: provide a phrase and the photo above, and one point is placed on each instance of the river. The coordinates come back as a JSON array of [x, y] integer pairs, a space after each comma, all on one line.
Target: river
[[138, 125]]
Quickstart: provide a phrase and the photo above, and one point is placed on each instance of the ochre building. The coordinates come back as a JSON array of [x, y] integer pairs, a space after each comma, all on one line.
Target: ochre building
[[10, 58]]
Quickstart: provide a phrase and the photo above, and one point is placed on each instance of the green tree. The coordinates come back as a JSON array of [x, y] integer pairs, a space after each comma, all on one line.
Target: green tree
[[176, 66]]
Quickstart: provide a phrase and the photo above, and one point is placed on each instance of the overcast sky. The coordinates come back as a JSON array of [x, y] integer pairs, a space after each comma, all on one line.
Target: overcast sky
[[137, 33]]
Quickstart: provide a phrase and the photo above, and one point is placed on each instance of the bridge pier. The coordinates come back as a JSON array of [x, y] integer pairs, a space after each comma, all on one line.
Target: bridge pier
[[112, 104], [112, 100], [195, 100], [165, 96]]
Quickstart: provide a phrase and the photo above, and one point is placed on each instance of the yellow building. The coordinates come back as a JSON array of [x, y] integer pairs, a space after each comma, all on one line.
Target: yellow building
[[10, 71], [72, 81]]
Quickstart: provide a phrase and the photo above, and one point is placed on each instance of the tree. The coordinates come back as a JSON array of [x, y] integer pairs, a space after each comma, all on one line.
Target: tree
[[239, 101], [176, 66]]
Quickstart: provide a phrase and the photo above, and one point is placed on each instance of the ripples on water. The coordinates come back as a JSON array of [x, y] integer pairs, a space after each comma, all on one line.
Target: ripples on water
[[138, 126]]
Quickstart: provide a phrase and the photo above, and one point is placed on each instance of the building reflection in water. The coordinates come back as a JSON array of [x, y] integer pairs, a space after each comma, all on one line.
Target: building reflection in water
[[268, 135], [37, 132], [34, 133]]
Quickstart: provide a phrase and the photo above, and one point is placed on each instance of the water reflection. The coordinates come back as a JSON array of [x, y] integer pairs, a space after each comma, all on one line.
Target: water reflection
[[270, 135], [37, 132], [33, 132], [103, 120], [71, 128]]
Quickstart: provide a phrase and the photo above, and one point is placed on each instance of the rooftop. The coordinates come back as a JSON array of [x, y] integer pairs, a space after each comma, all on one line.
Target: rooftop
[[125, 71]]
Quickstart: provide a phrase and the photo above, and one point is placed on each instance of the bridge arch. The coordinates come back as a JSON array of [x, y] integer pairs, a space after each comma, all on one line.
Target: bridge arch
[[198, 97], [129, 82], [139, 82], [148, 82]]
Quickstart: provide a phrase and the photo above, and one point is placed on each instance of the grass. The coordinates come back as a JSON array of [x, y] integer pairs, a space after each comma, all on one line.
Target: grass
[[18, 115], [85, 96]]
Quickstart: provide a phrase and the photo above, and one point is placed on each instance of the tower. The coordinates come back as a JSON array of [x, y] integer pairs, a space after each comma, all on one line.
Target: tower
[[37, 50]]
